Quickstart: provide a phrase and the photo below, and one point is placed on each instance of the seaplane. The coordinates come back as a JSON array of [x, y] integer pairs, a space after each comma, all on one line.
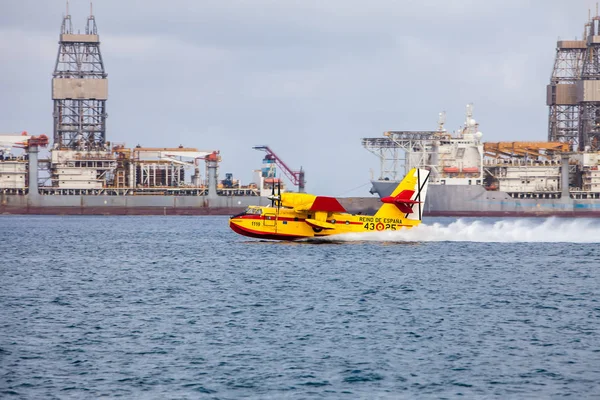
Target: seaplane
[[294, 216]]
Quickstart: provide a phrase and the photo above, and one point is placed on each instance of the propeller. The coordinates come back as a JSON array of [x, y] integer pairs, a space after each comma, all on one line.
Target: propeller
[[275, 199], [278, 195], [272, 197]]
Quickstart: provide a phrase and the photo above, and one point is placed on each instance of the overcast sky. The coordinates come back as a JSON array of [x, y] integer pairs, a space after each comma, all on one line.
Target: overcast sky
[[308, 78]]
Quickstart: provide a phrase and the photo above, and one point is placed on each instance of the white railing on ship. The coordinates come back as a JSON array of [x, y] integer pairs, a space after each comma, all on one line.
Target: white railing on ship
[[503, 162]]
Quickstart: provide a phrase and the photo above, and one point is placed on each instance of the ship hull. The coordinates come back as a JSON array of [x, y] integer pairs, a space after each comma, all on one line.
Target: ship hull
[[149, 204], [126, 205], [475, 201], [68, 210]]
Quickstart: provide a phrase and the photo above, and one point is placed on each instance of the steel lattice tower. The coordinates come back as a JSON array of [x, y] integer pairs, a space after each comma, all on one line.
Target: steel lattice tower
[[563, 121], [588, 92], [79, 89]]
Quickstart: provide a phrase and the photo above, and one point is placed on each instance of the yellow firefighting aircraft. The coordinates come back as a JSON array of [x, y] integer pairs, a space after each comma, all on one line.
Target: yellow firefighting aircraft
[[293, 216]]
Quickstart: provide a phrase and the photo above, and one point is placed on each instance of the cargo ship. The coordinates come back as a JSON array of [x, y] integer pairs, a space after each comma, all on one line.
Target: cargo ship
[[114, 180], [82, 173], [86, 174], [473, 178], [469, 177]]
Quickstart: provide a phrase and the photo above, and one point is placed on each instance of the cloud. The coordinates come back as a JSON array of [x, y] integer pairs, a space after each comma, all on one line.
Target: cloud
[[309, 78]]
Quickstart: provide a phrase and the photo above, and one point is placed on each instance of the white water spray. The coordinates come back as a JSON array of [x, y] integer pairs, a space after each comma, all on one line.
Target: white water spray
[[549, 230]]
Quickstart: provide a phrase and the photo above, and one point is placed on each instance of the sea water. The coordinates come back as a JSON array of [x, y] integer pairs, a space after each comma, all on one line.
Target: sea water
[[182, 307]]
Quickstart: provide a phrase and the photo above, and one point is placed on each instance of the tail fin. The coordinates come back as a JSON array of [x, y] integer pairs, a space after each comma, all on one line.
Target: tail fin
[[408, 199]]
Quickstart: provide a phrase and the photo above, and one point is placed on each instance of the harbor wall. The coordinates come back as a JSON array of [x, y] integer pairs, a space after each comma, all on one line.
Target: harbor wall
[[476, 201], [149, 205]]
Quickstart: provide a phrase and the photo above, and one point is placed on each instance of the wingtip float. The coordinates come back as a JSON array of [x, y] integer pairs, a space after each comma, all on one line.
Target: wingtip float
[[294, 216]]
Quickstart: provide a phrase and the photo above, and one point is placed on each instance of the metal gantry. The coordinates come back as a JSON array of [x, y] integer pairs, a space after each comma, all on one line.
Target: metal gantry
[[574, 92], [388, 153], [392, 150], [589, 89], [79, 89], [563, 120]]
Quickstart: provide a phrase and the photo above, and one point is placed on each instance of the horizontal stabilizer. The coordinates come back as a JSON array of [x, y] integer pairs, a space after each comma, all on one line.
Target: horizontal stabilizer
[[319, 224], [402, 201]]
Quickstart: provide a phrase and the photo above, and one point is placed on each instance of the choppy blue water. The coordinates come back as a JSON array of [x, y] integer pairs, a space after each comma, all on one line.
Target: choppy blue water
[[181, 307]]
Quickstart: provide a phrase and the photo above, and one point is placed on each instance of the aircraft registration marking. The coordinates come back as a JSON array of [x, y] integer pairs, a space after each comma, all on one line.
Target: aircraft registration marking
[[371, 226], [376, 220]]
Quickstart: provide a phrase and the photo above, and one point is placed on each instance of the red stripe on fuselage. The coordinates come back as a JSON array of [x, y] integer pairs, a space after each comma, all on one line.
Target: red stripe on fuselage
[[262, 235], [271, 218], [295, 219], [338, 222]]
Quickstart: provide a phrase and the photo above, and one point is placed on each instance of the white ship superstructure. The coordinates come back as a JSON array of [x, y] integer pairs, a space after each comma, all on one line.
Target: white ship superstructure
[[470, 177], [13, 167], [81, 169], [453, 159]]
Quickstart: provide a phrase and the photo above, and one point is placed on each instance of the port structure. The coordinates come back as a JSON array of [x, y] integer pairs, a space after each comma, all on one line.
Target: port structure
[[393, 147], [86, 173], [573, 95], [406, 149], [81, 160], [589, 89], [16, 176], [563, 120], [297, 177], [79, 89]]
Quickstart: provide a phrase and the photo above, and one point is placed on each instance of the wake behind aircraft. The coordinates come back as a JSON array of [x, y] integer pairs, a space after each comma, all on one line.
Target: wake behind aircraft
[[294, 216]]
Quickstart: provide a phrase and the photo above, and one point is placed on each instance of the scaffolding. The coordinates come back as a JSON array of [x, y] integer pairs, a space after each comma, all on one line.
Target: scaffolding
[[589, 89], [563, 120], [401, 150], [79, 89]]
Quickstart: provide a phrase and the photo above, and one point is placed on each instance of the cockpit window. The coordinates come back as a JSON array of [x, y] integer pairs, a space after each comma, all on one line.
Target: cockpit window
[[253, 211]]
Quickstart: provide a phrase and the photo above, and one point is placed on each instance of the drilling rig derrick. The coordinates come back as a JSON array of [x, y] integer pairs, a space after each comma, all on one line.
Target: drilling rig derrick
[[79, 89]]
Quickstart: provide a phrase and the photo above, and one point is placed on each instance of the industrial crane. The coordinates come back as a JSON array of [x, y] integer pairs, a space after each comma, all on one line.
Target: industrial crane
[[297, 177], [23, 141]]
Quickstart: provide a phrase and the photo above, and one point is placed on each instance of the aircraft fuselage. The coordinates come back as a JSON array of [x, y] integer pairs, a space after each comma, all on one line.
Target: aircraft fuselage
[[287, 224]]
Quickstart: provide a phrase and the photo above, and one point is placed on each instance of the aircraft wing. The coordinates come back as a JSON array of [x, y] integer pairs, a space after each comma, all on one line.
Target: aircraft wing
[[329, 204], [308, 202]]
